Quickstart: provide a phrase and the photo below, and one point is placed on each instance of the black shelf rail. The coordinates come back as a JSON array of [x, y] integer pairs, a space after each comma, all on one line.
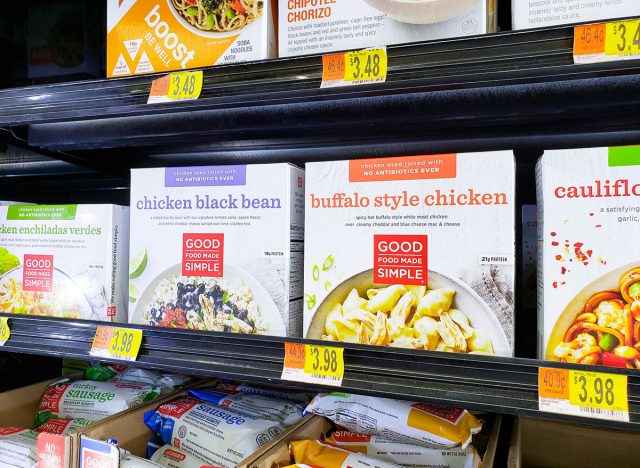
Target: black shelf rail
[[501, 91], [487, 383]]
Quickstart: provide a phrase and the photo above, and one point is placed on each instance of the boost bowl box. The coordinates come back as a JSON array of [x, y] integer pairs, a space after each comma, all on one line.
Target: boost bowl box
[[541, 13], [589, 257], [311, 27], [218, 248], [64, 261], [152, 36], [413, 252]]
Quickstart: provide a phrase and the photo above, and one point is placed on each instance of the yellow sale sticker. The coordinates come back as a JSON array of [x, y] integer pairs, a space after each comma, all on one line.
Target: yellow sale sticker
[[313, 364], [5, 331], [583, 393], [616, 40], [178, 86], [354, 68], [116, 343]]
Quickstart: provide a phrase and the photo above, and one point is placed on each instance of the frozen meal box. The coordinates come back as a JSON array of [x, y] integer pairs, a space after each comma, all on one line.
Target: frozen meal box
[[541, 13], [153, 36], [412, 252], [589, 257], [218, 248], [311, 27], [64, 261]]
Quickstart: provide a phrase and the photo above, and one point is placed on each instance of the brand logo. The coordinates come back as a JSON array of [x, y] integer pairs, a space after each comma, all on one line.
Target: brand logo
[[37, 273], [400, 259], [203, 255], [169, 38]]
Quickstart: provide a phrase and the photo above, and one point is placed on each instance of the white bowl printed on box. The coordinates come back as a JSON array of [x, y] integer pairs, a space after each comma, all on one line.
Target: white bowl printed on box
[[212, 34], [607, 282], [422, 11], [466, 300], [268, 309]]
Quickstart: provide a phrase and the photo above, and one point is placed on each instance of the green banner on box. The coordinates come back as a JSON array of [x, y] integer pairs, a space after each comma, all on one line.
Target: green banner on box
[[624, 156], [41, 212]]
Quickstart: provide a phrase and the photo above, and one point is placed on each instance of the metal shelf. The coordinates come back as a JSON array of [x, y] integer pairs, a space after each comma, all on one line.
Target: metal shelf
[[502, 385]]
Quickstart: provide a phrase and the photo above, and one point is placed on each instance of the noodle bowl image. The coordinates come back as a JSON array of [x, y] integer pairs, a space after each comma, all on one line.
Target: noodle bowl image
[[218, 16], [601, 325]]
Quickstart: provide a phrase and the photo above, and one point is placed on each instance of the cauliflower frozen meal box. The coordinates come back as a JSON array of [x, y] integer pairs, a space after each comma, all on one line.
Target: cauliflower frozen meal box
[[64, 261], [413, 252], [154, 36], [218, 248], [589, 256], [319, 26]]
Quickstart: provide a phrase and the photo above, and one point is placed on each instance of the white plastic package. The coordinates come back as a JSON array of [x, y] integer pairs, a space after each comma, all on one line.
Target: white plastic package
[[18, 447], [63, 426], [319, 453], [172, 457], [398, 420], [233, 388], [126, 375]]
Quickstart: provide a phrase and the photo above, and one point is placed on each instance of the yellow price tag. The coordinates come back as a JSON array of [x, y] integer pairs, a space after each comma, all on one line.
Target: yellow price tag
[[313, 364], [185, 85], [622, 38], [598, 390], [116, 343], [366, 66], [5, 331]]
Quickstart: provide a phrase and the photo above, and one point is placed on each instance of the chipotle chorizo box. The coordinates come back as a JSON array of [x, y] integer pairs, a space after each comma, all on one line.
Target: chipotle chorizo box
[[218, 248], [153, 36], [589, 258], [413, 252], [319, 26]]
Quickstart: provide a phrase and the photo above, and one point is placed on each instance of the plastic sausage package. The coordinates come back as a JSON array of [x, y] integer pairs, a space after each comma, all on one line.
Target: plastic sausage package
[[400, 421], [18, 447]]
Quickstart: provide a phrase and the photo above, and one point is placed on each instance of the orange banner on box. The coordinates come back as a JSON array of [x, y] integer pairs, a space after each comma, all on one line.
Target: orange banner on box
[[436, 166]]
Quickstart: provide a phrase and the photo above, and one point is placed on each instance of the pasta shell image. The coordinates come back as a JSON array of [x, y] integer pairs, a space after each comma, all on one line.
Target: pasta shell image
[[447, 315]]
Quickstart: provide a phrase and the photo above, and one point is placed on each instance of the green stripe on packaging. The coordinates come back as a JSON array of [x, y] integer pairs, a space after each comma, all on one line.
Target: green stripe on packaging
[[624, 156], [41, 212]]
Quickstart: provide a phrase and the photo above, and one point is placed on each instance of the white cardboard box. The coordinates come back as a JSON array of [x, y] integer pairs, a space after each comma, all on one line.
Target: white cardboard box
[[444, 222], [589, 223], [230, 235], [330, 25], [64, 261], [157, 36], [528, 14]]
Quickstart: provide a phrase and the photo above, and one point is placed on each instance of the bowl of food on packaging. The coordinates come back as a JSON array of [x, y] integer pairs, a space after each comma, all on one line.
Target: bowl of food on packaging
[[215, 18], [601, 324], [56, 296], [422, 11], [446, 315], [236, 302]]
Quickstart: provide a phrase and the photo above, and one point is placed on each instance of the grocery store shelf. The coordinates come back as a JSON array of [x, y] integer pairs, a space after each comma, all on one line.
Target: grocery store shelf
[[522, 87], [503, 385]]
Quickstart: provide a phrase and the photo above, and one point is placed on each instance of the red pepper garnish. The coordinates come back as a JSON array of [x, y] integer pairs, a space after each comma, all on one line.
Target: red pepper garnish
[[237, 5], [611, 360]]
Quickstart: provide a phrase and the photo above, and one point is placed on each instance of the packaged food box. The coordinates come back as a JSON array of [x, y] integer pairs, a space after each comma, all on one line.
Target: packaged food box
[[589, 260], [542, 13], [63, 39], [310, 27], [218, 248], [413, 252], [64, 261], [158, 36]]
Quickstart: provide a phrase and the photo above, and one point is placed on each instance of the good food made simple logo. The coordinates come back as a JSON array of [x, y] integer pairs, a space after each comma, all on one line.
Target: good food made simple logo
[[202, 255], [400, 259]]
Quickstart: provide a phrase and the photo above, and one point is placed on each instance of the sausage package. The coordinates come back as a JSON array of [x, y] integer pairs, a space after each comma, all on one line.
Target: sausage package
[[63, 426], [401, 421], [405, 454], [172, 457], [274, 409], [319, 453], [18, 447], [233, 388], [125, 375], [216, 435], [91, 400]]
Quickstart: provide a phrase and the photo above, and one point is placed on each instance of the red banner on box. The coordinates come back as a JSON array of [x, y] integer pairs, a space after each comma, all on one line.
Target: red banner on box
[[37, 273]]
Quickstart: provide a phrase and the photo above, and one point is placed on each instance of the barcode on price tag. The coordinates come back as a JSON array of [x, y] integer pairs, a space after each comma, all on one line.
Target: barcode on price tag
[[313, 364], [354, 68], [5, 331], [178, 86], [116, 343], [603, 42], [583, 393]]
